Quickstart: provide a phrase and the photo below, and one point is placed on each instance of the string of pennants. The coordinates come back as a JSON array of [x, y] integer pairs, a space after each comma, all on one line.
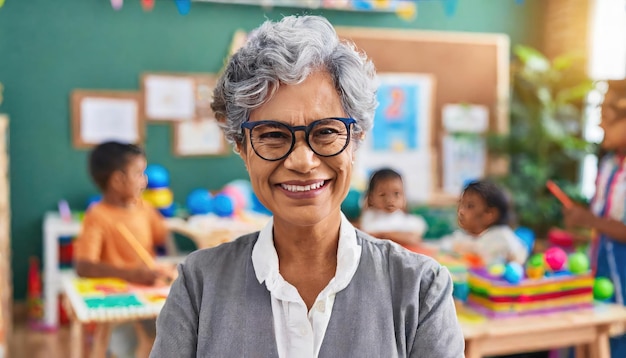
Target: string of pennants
[[406, 9]]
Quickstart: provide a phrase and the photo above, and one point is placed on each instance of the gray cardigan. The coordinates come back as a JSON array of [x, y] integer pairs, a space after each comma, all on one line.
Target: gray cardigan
[[398, 304]]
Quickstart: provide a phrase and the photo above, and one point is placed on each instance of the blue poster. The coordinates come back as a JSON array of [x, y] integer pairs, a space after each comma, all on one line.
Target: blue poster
[[397, 117]]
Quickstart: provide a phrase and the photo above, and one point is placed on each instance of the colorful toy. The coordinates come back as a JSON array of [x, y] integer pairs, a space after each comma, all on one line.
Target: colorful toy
[[169, 211], [159, 198], [245, 189], [34, 292], [535, 272], [555, 258], [578, 263], [496, 270], [535, 266], [258, 206], [223, 205], [527, 236], [561, 238], [473, 260], [559, 194], [158, 177], [536, 260], [199, 201], [513, 272], [497, 297], [603, 289], [240, 201]]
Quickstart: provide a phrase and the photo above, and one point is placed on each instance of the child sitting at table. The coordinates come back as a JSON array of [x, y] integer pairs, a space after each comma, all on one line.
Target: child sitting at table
[[483, 216], [384, 215], [114, 229]]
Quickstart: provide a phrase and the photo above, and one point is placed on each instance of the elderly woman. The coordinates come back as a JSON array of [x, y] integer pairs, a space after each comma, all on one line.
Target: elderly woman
[[296, 102]]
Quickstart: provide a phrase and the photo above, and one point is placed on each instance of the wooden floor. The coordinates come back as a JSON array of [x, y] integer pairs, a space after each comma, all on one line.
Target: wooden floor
[[28, 343]]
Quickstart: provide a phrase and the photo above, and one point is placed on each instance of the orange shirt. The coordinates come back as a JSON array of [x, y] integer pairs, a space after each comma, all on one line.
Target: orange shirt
[[101, 240]]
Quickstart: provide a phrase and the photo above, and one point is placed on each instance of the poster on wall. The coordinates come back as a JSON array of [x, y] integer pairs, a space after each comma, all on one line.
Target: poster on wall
[[200, 137], [464, 160], [464, 150], [98, 116], [177, 97], [400, 138]]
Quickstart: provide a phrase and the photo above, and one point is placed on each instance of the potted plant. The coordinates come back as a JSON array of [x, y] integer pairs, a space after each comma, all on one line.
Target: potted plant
[[545, 138]]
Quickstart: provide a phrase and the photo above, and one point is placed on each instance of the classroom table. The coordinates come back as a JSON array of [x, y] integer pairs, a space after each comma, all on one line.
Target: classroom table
[[107, 302], [586, 329]]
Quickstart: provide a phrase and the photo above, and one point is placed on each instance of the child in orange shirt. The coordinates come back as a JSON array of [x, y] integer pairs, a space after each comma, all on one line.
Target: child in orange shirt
[[103, 248]]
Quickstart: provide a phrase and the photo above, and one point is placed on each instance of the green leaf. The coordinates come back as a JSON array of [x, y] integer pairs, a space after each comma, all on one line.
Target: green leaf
[[575, 93], [531, 58]]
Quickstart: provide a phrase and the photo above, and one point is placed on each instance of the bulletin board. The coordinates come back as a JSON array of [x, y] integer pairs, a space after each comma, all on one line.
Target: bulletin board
[[184, 100], [174, 97], [98, 116], [468, 68]]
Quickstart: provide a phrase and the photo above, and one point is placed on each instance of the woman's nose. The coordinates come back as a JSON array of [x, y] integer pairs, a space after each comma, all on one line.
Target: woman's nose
[[302, 158]]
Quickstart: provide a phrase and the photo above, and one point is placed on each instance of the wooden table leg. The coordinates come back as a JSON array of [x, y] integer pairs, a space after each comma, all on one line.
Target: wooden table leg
[[144, 341], [77, 342], [600, 348], [582, 351], [76, 339], [472, 349], [101, 339]]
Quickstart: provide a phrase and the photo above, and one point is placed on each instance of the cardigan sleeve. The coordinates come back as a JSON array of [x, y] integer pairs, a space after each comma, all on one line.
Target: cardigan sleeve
[[177, 324], [438, 333]]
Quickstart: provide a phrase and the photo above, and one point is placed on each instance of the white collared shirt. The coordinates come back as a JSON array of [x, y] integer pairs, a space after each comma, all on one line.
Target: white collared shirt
[[300, 333]]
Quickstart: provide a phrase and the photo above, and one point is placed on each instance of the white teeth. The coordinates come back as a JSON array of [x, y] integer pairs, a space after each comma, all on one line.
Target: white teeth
[[296, 188]]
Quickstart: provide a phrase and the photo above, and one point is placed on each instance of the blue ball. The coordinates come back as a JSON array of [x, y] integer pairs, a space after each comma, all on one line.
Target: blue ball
[[158, 177], [199, 201], [223, 205], [258, 207], [169, 211], [513, 272], [527, 236]]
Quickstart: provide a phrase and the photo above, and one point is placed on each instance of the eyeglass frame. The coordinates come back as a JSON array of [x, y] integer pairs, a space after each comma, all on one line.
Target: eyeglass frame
[[347, 121]]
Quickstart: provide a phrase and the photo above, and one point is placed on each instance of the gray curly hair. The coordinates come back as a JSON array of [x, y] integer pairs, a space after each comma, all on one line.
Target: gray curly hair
[[287, 52]]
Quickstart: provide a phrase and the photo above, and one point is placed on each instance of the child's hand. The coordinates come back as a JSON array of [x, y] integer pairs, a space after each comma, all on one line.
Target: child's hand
[[577, 216], [143, 276], [167, 274]]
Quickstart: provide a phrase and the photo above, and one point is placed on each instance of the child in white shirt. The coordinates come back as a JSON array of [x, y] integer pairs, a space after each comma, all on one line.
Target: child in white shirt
[[384, 215], [483, 215]]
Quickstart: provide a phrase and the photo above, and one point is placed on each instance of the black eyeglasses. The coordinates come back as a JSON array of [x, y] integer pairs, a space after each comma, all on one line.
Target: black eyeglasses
[[273, 140]]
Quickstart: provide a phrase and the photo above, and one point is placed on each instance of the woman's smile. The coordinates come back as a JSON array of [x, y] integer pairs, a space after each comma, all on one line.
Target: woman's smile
[[303, 189]]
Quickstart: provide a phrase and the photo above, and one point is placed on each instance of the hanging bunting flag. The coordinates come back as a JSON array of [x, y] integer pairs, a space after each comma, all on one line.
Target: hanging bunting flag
[[449, 7], [1, 3], [117, 4], [183, 6], [147, 5]]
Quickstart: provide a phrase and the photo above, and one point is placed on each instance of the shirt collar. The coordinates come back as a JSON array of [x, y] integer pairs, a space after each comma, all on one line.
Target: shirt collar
[[265, 258]]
